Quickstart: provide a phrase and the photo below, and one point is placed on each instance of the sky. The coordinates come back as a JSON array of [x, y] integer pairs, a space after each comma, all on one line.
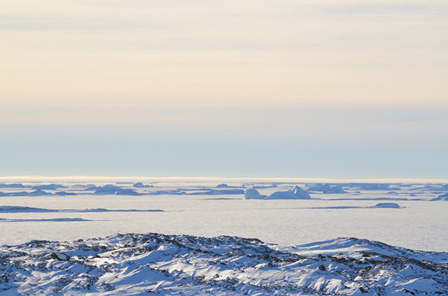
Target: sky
[[310, 89]]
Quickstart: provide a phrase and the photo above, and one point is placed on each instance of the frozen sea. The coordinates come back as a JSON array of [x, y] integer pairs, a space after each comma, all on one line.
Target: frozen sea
[[419, 223]]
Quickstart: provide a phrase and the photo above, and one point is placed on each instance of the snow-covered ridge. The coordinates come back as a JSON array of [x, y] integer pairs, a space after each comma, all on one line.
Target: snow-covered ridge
[[130, 264]]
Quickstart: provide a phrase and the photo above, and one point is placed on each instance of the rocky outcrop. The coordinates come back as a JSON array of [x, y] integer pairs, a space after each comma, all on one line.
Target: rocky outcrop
[[137, 264]]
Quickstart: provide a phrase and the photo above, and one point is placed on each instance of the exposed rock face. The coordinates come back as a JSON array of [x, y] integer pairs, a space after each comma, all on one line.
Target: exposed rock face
[[135, 264]]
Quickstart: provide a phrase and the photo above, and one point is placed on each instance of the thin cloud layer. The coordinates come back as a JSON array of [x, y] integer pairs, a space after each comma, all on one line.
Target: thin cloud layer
[[179, 79]]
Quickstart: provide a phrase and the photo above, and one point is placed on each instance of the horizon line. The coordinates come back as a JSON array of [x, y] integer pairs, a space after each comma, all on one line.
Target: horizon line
[[218, 178]]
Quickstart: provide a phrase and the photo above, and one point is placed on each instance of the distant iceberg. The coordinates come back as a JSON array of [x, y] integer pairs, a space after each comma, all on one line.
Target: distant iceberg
[[64, 193], [141, 185], [327, 188], [294, 193], [390, 205], [48, 187], [441, 197], [110, 189], [370, 186], [37, 192], [253, 193], [15, 185]]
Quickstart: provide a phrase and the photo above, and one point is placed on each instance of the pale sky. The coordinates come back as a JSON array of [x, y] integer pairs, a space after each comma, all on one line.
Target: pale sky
[[323, 89]]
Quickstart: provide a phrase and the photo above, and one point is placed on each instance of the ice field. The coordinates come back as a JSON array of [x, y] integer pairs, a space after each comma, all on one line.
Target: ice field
[[210, 209]]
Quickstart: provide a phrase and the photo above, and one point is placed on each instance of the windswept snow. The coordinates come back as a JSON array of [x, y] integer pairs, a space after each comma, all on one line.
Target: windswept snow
[[133, 264]]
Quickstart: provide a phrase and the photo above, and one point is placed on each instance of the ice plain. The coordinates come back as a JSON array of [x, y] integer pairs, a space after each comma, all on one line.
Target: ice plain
[[419, 224]]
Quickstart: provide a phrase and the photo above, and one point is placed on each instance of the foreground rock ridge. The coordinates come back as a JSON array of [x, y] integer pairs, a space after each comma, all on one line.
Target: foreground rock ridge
[[142, 264]]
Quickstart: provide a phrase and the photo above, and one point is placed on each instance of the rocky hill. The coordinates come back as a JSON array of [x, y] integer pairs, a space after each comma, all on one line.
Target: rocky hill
[[137, 264]]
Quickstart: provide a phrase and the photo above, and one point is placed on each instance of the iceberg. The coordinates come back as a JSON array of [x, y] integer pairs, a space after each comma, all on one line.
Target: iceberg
[[141, 185], [442, 197], [295, 193], [48, 187], [327, 189], [253, 193], [15, 185], [390, 205]]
